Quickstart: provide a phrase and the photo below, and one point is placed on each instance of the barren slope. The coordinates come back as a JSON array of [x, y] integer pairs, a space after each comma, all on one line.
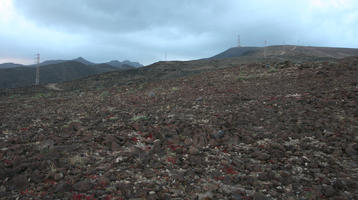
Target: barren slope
[[241, 132], [296, 53]]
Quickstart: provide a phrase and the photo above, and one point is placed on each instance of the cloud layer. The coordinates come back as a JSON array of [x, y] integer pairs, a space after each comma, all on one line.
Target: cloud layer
[[144, 30]]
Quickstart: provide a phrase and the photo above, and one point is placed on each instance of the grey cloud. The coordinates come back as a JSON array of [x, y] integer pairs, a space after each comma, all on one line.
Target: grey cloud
[[119, 16], [144, 30]]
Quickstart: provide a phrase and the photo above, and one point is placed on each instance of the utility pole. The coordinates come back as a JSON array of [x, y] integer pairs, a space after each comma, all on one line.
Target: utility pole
[[238, 41], [37, 57]]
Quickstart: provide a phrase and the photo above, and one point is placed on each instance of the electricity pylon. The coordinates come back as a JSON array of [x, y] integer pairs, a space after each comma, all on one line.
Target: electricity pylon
[[37, 82]]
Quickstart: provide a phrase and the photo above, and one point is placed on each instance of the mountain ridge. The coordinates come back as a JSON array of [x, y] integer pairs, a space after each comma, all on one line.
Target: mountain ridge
[[9, 65], [53, 73], [172, 69], [80, 59], [286, 52]]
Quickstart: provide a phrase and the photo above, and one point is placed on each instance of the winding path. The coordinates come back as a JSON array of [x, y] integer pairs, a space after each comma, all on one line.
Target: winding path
[[53, 86]]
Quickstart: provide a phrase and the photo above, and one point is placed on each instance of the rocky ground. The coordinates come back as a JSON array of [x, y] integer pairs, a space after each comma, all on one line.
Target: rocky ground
[[283, 131]]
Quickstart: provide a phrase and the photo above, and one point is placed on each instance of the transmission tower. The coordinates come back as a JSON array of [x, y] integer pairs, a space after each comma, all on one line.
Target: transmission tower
[[37, 57], [238, 41]]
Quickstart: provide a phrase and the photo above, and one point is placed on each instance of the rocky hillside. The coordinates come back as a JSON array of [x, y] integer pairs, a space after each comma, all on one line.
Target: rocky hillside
[[297, 53], [243, 131]]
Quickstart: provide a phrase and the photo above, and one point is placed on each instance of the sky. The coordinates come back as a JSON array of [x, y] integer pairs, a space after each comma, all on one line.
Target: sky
[[148, 31]]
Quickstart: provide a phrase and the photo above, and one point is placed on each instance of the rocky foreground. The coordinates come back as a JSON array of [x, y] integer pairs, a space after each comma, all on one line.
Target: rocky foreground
[[278, 131]]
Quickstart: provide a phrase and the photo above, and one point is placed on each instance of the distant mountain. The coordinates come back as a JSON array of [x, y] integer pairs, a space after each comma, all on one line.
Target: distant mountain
[[84, 61], [124, 64], [49, 62], [52, 62], [9, 65], [134, 64], [286, 52], [53, 73], [114, 63]]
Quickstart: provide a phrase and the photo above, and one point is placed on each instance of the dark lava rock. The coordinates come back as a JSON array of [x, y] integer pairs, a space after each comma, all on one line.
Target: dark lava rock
[[63, 187], [263, 177], [351, 149], [46, 145], [220, 134], [193, 150], [82, 186], [20, 182], [339, 185], [37, 176], [115, 146], [261, 155], [199, 99], [104, 180], [58, 176], [328, 191], [236, 197], [259, 196]]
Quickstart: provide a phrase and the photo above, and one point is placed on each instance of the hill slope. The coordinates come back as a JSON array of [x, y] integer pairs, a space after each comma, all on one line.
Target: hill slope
[[237, 52], [240, 132], [287, 52], [64, 71], [9, 65]]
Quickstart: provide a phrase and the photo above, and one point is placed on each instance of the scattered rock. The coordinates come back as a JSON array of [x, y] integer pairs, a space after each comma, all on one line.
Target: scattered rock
[[352, 149], [339, 184], [82, 186], [328, 191], [259, 196], [213, 138], [115, 146], [46, 145], [199, 99], [151, 94], [193, 150], [261, 155], [2, 188], [58, 176], [20, 182], [220, 134], [205, 196], [63, 187]]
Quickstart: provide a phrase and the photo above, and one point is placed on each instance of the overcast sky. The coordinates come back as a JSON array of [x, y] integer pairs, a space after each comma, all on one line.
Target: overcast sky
[[146, 30]]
